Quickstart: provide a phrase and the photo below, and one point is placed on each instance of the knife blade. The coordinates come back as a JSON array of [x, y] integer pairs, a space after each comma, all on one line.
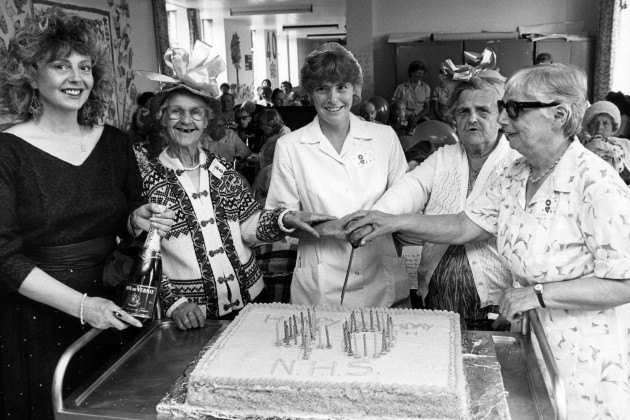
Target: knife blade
[[345, 282]]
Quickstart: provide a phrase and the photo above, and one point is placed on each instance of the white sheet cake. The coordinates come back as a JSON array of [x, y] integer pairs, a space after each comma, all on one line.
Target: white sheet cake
[[253, 370]]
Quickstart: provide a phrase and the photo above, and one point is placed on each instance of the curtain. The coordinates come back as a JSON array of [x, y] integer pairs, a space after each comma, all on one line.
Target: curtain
[[607, 37], [160, 22], [193, 26]]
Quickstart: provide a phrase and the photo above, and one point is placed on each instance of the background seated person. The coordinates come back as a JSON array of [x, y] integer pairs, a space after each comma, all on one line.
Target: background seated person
[[400, 120], [227, 107], [270, 126], [278, 97], [287, 88], [601, 121], [225, 142], [414, 93], [367, 111], [439, 103], [264, 96]]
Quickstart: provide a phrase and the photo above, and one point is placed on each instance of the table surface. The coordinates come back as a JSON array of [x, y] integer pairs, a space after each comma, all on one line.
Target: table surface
[[133, 383]]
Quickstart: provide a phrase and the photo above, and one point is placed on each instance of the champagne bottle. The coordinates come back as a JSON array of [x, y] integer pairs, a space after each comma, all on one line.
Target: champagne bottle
[[141, 292]]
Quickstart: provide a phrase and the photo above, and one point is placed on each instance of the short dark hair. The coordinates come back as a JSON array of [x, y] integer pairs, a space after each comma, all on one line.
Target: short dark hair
[[224, 85], [286, 82], [52, 35], [543, 57], [144, 97], [333, 63], [416, 65]]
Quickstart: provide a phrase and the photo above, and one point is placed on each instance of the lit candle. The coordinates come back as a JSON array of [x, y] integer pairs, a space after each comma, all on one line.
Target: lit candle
[[278, 342], [378, 322], [286, 333], [364, 346]]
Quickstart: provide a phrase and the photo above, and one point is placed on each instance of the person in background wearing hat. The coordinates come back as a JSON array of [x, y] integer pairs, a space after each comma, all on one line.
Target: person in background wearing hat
[[210, 270], [601, 121], [414, 94], [336, 165]]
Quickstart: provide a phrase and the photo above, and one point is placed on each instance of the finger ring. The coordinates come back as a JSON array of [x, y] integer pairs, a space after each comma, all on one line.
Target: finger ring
[[188, 313], [117, 314]]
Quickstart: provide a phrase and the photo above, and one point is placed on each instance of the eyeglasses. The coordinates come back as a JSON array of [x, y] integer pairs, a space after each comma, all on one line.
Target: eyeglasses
[[177, 113], [513, 108]]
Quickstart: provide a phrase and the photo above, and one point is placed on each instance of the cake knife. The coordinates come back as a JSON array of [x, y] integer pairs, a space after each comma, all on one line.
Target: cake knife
[[345, 282]]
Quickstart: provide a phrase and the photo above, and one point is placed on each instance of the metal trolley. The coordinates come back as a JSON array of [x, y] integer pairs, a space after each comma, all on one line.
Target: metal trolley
[[132, 384]]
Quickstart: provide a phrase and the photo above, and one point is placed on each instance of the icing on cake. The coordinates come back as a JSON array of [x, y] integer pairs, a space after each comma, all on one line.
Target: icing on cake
[[246, 373]]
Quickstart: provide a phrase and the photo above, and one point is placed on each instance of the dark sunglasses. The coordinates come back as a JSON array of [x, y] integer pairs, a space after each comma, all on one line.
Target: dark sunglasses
[[513, 108]]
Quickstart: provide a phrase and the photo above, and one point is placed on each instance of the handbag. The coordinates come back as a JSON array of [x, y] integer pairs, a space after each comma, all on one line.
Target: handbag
[[119, 264]]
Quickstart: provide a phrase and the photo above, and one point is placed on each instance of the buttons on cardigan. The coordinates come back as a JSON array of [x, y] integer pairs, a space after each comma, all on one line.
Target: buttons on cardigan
[[219, 250], [232, 305], [224, 279], [205, 222], [196, 196]]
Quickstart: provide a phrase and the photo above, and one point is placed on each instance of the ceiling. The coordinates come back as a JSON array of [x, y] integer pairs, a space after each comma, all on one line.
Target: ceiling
[[324, 12]]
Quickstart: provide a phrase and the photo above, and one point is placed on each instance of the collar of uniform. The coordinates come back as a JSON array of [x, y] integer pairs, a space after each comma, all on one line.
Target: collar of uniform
[[359, 129]]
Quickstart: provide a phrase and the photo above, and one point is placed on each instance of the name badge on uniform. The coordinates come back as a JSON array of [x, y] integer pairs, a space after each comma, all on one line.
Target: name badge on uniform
[[217, 169], [364, 159], [546, 208]]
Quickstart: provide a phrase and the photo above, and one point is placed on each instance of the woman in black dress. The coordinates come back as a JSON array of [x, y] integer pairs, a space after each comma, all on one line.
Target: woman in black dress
[[68, 187]]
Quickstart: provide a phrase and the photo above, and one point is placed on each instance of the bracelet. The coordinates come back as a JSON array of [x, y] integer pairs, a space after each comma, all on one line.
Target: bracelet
[[134, 226], [81, 308], [281, 225]]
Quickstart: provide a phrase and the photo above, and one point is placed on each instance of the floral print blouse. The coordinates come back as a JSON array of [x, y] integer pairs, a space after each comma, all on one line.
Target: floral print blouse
[[576, 225]]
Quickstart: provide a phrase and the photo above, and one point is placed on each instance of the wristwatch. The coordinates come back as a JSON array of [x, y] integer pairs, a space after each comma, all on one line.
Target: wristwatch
[[539, 294]]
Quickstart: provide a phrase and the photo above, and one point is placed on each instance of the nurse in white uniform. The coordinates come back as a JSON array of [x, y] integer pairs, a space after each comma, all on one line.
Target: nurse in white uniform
[[336, 165]]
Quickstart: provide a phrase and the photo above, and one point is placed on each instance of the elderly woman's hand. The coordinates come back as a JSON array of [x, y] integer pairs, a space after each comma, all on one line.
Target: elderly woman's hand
[[188, 315], [369, 224], [156, 215], [514, 302], [310, 223]]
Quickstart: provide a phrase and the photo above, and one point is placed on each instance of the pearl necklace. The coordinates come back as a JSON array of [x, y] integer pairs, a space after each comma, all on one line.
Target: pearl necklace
[[537, 179]]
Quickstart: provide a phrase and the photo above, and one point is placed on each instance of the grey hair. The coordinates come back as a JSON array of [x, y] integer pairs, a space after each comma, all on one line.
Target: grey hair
[[476, 83], [557, 82]]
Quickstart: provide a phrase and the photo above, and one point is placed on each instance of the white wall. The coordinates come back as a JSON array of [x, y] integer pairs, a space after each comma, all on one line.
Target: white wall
[[426, 16]]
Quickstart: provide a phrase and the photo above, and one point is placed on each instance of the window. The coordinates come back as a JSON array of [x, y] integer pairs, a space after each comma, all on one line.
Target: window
[[208, 31], [620, 77], [172, 29]]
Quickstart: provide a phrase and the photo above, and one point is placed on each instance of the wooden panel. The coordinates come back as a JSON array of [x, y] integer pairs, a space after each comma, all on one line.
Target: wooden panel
[[558, 48], [577, 53]]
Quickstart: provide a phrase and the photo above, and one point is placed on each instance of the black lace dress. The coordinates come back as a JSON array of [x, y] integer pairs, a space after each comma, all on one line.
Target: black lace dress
[[49, 202]]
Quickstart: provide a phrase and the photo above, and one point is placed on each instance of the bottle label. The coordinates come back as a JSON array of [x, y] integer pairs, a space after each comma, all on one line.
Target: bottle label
[[139, 300]]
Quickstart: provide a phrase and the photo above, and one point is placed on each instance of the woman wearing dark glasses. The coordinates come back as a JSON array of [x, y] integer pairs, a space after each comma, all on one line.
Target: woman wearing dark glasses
[[560, 217]]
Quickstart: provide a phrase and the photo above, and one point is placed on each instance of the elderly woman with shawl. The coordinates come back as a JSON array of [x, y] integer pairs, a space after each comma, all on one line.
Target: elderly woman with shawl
[[210, 270], [467, 279]]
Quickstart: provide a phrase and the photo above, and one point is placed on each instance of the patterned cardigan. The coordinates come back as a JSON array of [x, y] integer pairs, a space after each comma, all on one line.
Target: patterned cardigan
[[206, 256]]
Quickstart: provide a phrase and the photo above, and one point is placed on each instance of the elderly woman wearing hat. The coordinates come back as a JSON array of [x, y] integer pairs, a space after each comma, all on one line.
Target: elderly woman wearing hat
[[209, 267], [601, 121], [467, 279], [336, 165]]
